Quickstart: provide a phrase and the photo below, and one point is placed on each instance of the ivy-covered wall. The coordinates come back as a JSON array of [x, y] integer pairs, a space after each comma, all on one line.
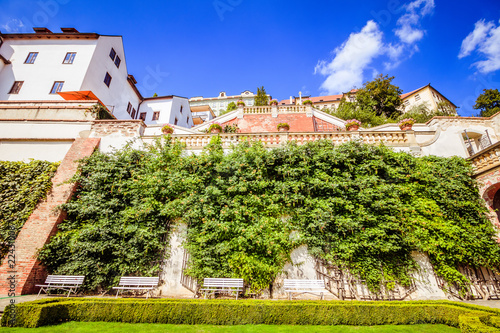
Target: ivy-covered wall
[[360, 207], [22, 186]]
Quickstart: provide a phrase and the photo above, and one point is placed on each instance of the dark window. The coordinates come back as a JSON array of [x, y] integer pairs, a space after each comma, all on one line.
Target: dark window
[[181, 108], [16, 87], [156, 115], [107, 79], [129, 108], [57, 87], [143, 116], [188, 121], [118, 61], [70, 56], [30, 59], [112, 54], [176, 121], [133, 113]]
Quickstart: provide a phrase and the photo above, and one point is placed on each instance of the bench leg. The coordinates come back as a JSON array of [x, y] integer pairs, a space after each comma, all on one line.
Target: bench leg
[[147, 294], [41, 288], [322, 298], [289, 296], [117, 291], [237, 294]]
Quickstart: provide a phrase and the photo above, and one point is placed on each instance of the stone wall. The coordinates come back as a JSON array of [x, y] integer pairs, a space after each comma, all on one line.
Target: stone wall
[[42, 224]]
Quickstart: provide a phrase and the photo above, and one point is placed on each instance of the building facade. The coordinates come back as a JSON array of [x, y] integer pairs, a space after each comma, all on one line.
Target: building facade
[[219, 104]]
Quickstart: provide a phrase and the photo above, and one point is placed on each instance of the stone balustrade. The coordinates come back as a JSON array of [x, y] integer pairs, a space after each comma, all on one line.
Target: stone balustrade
[[395, 138], [269, 109], [486, 159]]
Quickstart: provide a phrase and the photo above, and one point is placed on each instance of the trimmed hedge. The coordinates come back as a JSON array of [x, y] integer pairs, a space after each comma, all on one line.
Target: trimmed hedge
[[230, 312]]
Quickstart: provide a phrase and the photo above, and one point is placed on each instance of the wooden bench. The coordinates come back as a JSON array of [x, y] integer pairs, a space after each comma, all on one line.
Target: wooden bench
[[304, 287], [213, 285], [137, 283], [64, 282]]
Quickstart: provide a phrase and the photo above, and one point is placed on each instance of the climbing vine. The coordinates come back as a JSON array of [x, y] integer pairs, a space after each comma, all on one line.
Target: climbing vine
[[359, 207], [22, 186]]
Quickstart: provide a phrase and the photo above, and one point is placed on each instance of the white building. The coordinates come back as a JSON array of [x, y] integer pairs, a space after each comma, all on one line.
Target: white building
[[172, 110], [41, 64], [220, 103], [45, 66]]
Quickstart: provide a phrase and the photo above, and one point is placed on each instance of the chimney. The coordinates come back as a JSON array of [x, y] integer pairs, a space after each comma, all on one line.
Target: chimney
[[291, 101], [300, 97], [69, 30], [42, 31]]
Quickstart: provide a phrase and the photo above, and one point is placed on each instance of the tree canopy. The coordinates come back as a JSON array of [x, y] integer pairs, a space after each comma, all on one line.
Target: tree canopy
[[261, 99], [381, 96], [488, 102]]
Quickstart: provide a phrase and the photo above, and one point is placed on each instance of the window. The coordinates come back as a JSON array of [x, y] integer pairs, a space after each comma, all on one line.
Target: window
[[118, 61], [16, 87], [133, 113], [417, 97], [181, 108], [407, 103], [70, 56], [107, 79], [156, 115], [112, 54], [129, 107], [31, 58], [143, 116], [175, 121], [57, 87], [188, 121]]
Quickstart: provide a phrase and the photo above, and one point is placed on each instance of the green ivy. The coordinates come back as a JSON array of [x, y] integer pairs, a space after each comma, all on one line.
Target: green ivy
[[22, 185], [360, 207]]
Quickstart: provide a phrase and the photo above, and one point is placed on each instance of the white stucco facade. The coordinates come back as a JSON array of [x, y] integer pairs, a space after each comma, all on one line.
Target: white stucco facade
[[172, 110]]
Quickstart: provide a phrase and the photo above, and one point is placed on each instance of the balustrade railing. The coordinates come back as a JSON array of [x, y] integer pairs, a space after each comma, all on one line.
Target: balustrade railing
[[486, 159], [198, 141]]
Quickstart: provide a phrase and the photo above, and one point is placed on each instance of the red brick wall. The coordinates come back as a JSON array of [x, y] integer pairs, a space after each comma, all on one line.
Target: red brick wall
[[255, 123], [42, 224]]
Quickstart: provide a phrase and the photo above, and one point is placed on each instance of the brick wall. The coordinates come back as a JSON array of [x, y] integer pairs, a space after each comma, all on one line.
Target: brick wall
[[42, 224], [258, 123]]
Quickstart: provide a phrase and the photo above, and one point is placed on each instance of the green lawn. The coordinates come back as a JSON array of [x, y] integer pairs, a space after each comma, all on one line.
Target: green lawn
[[76, 327]]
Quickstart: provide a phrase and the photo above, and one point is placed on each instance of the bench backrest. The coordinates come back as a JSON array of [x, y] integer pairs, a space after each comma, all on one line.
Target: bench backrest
[[300, 284], [67, 280], [223, 283], [139, 281]]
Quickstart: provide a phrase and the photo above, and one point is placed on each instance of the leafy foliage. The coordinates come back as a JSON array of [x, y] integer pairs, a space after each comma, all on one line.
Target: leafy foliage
[[362, 208], [261, 99], [380, 96], [22, 186], [488, 102]]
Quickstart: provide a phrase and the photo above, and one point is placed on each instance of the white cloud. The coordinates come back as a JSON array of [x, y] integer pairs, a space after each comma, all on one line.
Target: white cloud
[[12, 26], [345, 71], [354, 57], [409, 31], [485, 39]]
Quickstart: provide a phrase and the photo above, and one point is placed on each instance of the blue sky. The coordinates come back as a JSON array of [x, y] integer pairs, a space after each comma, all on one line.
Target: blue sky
[[199, 48]]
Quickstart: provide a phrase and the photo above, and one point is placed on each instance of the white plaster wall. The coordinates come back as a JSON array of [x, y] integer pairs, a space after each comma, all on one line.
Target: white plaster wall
[[172, 267], [48, 67], [164, 106], [425, 280], [119, 93], [44, 130], [24, 151], [185, 118]]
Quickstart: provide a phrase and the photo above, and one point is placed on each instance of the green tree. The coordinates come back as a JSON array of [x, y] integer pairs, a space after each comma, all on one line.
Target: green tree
[[231, 107], [351, 110], [381, 96], [261, 99], [488, 102]]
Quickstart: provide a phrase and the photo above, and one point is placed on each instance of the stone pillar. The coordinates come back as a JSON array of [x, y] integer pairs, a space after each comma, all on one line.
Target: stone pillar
[[274, 111], [42, 224]]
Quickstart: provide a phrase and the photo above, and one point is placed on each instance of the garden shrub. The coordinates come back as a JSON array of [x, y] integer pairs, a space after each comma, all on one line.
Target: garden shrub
[[246, 312], [22, 186], [360, 207]]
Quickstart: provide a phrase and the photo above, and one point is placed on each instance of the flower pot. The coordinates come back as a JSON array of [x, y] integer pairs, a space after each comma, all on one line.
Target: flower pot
[[406, 127], [168, 132], [353, 128], [283, 129], [215, 131]]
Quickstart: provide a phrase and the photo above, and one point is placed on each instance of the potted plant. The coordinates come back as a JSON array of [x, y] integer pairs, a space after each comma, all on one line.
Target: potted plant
[[167, 129], [240, 103], [274, 102], [352, 124], [406, 124], [307, 102], [283, 127], [215, 128]]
